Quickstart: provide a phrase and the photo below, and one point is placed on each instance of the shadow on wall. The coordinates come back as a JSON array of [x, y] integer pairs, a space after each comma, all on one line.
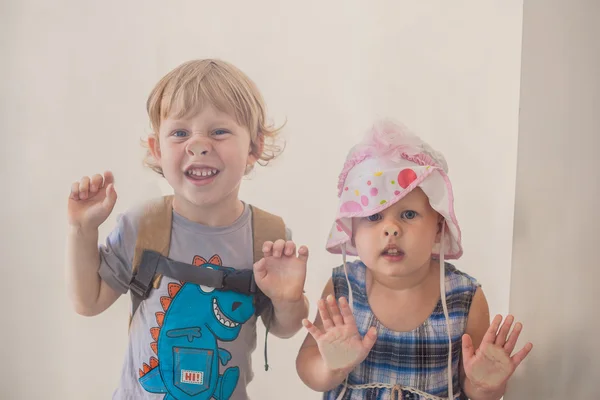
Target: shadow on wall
[[563, 377]]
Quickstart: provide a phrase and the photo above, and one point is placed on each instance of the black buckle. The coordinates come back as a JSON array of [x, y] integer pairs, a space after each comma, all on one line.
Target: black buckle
[[240, 281], [139, 289], [141, 282]]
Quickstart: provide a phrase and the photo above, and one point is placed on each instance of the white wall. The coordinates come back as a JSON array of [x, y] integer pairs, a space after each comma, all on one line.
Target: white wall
[[555, 274], [75, 76]]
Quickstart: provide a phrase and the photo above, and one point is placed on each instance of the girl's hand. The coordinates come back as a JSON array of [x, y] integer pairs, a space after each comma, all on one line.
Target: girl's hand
[[490, 367], [340, 344]]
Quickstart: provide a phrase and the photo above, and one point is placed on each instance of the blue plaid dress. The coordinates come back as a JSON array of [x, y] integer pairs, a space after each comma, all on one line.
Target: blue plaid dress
[[417, 359]]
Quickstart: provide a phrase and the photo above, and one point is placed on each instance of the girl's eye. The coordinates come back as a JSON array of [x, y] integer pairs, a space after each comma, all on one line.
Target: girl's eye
[[409, 214], [180, 133], [374, 217]]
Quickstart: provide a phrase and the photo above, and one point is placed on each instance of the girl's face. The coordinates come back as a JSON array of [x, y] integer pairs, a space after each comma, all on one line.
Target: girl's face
[[398, 241]]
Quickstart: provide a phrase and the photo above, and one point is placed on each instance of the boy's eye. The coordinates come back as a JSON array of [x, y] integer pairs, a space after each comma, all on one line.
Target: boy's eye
[[180, 133], [220, 132], [409, 214], [374, 217]]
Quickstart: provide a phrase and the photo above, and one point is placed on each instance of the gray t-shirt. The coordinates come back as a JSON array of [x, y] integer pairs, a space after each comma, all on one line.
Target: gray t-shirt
[[186, 341]]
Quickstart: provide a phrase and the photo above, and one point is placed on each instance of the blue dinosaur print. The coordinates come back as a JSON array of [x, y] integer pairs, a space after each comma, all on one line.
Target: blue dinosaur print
[[186, 344]]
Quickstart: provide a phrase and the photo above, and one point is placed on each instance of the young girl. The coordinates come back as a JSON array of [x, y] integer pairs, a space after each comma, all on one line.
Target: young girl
[[413, 327]]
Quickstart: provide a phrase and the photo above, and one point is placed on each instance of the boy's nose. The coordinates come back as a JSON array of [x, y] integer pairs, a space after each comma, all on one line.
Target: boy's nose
[[198, 148]]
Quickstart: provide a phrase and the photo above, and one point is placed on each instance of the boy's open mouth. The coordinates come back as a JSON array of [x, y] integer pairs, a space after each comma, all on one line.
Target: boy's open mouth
[[201, 173]]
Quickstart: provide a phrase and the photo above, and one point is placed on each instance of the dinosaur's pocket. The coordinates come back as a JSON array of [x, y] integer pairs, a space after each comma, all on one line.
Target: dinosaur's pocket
[[192, 369]]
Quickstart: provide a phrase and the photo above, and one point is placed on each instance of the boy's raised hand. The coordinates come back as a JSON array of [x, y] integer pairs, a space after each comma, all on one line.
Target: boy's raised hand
[[340, 343], [281, 273], [91, 201], [490, 367]]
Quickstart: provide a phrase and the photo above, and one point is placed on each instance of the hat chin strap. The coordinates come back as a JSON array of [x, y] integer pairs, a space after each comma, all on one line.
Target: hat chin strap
[[350, 297], [445, 306], [446, 315], [351, 304]]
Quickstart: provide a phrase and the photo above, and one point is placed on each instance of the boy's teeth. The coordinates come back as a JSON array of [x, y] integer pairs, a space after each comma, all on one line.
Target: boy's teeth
[[202, 172]]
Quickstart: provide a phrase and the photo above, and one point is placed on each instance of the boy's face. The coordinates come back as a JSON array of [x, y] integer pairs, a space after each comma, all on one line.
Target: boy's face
[[203, 157], [399, 240]]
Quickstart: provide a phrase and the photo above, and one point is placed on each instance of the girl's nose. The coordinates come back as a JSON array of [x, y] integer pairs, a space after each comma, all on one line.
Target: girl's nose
[[391, 230]]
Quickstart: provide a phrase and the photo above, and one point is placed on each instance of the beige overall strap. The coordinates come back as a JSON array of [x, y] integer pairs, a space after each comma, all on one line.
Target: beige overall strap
[[154, 231], [265, 227]]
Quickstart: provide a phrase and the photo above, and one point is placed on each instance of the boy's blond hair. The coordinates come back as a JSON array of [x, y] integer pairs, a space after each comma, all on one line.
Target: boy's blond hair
[[196, 83]]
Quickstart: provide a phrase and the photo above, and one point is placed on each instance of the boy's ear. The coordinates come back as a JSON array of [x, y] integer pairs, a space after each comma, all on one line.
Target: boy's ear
[[256, 148], [154, 146]]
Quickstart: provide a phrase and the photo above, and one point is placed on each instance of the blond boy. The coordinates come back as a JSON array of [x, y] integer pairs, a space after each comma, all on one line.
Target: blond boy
[[191, 339]]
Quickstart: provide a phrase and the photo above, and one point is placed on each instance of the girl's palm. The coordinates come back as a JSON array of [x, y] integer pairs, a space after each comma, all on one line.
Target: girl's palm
[[490, 367], [340, 343]]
